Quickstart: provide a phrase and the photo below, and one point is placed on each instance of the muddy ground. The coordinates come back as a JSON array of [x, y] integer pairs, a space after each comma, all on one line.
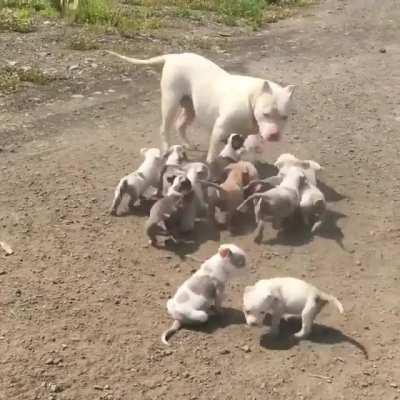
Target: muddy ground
[[82, 299]]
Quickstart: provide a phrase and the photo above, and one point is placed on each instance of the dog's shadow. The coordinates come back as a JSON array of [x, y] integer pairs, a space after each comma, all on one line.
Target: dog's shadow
[[229, 316], [331, 195], [321, 334]]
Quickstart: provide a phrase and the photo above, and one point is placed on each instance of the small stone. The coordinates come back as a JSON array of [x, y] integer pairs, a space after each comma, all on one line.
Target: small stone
[[186, 375], [246, 349], [2, 272], [382, 50], [77, 96], [394, 385], [218, 372], [18, 292], [55, 388], [73, 67], [224, 351], [97, 387], [358, 262], [49, 361]]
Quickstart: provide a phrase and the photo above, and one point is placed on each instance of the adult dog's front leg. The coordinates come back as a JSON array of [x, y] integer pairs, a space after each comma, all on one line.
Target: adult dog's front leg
[[218, 134]]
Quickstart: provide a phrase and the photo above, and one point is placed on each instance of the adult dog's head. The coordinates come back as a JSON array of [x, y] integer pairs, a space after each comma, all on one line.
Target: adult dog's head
[[270, 109]]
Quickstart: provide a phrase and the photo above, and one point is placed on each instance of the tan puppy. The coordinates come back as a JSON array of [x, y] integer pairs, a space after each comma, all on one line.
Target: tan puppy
[[229, 195]]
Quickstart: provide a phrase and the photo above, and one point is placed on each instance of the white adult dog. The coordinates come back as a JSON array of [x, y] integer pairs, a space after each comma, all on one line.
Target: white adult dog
[[194, 87], [281, 297]]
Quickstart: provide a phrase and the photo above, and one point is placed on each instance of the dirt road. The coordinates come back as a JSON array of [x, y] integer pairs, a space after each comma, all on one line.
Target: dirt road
[[82, 299]]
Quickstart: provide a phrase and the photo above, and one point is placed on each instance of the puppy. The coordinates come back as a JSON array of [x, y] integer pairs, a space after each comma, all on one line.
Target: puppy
[[285, 296], [162, 219], [228, 195], [312, 201], [195, 299], [175, 158], [254, 148], [194, 87], [279, 202], [196, 172], [231, 153], [287, 160], [139, 181]]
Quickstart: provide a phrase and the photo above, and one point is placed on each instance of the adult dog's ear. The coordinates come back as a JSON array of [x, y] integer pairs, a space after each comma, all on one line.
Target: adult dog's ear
[[267, 87], [224, 251], [290, 89]]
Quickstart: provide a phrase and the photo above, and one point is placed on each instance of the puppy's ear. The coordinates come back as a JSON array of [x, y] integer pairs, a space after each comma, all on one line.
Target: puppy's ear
[[290, 89], [314, 165], [224, 252], [171, 178], [143, 151], [167, 154]]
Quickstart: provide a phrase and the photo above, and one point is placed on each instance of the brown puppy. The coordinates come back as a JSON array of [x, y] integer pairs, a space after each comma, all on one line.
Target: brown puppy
[[229, 195]]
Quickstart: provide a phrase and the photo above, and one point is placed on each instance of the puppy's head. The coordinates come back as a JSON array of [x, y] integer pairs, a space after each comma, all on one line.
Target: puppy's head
[[153, 153], [270, 109], [286, 159], [236, 141], [235, 258], [180, 184], [257, 302], [175, 155]]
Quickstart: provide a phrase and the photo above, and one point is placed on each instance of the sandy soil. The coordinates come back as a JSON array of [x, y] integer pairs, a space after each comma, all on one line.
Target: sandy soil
[[82, 299]]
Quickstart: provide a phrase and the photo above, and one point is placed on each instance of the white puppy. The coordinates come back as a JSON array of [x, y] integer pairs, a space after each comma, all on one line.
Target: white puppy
[[255, 147], [175, 158], [279, 202], [312, 200], [281, 297], [195, 299], [139, 181], [231, 153], [194, 87]]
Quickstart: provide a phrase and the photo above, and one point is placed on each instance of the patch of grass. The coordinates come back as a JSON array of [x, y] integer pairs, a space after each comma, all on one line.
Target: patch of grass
[[94, 12], [12, 77], [83, 41], [19, 20]]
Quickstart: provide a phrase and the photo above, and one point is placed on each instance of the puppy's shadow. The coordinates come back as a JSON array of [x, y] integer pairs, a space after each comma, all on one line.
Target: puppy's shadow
[[321, 334], [229, 316], [296, 234], [141, 209], [266, 170], [191, 242], [331, 195]]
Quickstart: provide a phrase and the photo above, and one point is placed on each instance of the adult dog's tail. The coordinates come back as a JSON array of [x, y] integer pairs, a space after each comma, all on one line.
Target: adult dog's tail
[[149, 61], [174, 328]]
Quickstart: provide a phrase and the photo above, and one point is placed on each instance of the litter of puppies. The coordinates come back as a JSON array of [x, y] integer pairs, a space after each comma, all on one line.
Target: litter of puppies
[[185, 191]]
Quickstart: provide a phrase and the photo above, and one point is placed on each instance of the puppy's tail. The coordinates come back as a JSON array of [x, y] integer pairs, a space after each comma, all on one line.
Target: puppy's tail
[[149, 61], [332, 299], [250, 198], [167, 334]]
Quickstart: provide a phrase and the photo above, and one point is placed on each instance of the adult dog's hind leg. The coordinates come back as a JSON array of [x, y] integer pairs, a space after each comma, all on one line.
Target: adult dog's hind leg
[[169, 110], [185, 118]]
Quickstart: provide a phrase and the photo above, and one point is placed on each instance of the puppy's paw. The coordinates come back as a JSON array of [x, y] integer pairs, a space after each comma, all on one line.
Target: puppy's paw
[[299, 335]]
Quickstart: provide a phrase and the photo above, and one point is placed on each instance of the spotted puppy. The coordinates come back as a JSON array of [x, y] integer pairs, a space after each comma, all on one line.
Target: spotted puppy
[[231, 153], [162, 219], [139, 181], [175, 158], [201, 295], [280, 297]]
